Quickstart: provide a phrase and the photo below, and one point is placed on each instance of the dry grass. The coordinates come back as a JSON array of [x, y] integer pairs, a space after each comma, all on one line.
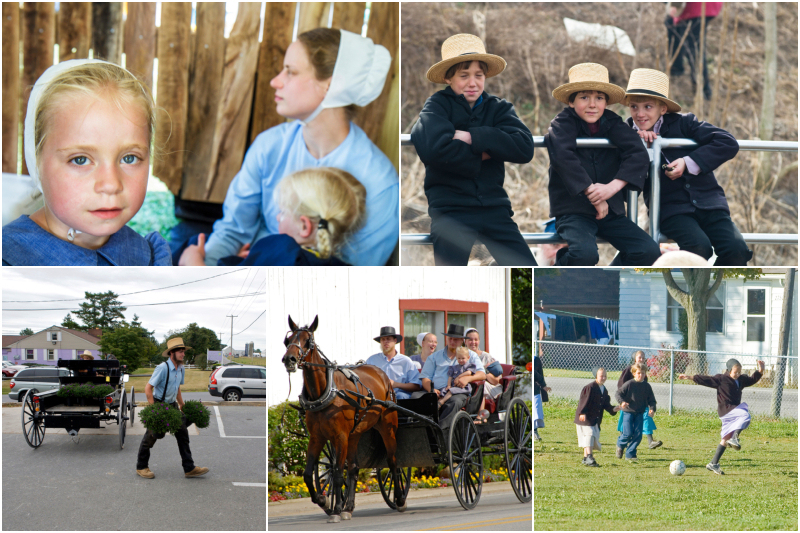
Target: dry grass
[[533, 40]]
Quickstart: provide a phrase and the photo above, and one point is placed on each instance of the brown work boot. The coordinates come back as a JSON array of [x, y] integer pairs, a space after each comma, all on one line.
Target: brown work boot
[[145, 472], [197, 471]]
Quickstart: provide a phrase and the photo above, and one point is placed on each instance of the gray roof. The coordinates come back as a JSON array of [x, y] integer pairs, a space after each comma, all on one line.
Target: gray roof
[[576, 286]]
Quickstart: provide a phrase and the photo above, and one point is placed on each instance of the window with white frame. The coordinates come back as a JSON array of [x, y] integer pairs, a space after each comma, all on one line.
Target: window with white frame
[[53, 335], [29, 354], [51, 355], [715, 311]]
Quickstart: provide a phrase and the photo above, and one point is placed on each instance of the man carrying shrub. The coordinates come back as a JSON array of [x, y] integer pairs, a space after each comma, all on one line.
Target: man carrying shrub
[[164, 387]]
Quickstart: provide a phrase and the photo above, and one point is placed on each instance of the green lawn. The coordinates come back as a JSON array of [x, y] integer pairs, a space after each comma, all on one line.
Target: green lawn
[[758, 490]]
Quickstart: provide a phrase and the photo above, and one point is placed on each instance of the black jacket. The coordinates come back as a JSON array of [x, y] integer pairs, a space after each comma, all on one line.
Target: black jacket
[[729, 395], [592, 403], [688, 193], [455, 175], [538, 379], [572, 169]]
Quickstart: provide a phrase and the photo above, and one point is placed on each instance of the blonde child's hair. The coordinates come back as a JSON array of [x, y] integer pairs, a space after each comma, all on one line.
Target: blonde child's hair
[[462, 350], [100, 80], [325, 193], [639, 366]]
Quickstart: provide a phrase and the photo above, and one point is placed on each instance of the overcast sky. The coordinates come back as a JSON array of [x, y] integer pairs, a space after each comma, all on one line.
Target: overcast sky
[[61, 283]]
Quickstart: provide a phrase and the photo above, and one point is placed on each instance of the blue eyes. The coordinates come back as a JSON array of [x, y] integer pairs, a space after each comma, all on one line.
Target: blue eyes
[[82, 160], [129, 159]]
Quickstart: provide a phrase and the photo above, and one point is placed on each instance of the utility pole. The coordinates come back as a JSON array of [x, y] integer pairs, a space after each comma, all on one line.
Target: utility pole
[[232, 317]]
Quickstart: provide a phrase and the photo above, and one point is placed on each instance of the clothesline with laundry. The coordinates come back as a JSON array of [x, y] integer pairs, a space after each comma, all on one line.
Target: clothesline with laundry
[[570, 327]]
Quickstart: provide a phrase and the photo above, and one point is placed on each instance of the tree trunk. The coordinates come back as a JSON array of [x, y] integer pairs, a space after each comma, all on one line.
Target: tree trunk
[[783, 342], [766, 124]]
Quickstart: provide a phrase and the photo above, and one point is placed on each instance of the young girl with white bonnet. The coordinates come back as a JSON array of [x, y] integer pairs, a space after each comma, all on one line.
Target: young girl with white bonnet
[[320, 208], [88, 135], [327, 72]]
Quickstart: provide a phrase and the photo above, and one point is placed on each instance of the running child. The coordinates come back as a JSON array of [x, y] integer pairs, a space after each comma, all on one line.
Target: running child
[[649, 425], [693, 209], [586, 184], [540, 390], [734, 414], [464, 136], [635, 397], [89, 133], [462, 368], [589, 415], [320, 209]]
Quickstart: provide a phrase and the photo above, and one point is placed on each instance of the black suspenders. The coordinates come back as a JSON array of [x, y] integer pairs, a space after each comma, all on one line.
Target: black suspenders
[[165, 386]]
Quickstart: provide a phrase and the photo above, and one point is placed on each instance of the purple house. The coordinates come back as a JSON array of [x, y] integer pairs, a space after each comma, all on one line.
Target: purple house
[[46, 347]]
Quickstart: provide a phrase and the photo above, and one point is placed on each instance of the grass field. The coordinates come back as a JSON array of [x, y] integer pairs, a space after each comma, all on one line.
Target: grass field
[[758, 490]]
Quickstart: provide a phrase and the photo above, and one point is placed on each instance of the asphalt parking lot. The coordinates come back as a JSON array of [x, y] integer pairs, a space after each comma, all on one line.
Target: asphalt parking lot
[[89, 483]]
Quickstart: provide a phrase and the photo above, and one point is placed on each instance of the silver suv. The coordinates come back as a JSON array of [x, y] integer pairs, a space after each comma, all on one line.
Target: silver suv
[[235, 382], [37, 379]]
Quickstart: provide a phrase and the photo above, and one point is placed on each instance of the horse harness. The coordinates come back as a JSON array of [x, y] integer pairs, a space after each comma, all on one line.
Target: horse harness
[[331, 392]]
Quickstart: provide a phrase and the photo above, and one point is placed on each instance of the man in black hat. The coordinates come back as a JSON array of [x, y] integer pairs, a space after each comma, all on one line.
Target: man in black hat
[[434, 373], [165, 386], [402, 371]]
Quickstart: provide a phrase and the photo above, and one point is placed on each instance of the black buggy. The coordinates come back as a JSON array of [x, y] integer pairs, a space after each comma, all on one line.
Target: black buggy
[[421, 442], [41, 410]]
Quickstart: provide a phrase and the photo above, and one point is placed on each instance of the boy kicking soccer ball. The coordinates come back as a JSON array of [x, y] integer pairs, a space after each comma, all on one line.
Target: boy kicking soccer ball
[[734, 414]]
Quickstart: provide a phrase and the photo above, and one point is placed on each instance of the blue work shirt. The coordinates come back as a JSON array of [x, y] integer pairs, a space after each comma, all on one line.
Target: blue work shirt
[[437, 365], [159, 379], [400, 369], [25, 243], [250, 209]]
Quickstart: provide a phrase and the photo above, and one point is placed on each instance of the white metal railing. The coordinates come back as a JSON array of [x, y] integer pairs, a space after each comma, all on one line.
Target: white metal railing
[[655, 190]]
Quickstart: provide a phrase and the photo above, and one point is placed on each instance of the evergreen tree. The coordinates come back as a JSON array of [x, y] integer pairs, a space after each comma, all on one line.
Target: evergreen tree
[[69, 323], [26, 331], [101, 310]]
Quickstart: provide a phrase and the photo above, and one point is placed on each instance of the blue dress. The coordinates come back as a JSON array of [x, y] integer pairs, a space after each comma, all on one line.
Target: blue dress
[[25, 243], [250, 209], [280, 250]]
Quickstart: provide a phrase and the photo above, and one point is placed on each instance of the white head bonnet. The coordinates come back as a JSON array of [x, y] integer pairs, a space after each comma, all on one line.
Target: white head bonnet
[[359, 74], [421, 337], [33, 106]]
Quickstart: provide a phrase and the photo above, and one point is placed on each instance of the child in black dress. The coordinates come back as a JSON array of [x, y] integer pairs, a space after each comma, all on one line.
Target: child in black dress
[[589, 415], [734, 414]]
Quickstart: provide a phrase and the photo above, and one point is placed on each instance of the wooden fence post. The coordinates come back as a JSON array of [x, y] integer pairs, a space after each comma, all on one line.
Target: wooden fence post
[[313, 15], [74, 30], [10, 86], [172, 91], [140, 40], [107, 31], [349, 16], [38, 38]]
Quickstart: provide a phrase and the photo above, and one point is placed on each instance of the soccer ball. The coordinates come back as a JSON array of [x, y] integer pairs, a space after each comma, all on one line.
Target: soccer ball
[[677, 468]]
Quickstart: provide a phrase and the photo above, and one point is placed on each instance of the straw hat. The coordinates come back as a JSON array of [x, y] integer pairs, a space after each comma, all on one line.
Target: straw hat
[[649, 82], [589, 77], [174, 344], [464, 47]]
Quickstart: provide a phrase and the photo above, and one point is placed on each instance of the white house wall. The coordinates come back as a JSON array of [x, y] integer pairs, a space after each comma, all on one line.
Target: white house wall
[[353, 304], [634, 309]]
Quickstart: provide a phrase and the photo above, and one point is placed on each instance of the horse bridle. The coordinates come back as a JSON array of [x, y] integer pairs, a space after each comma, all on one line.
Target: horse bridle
[[310, 346]]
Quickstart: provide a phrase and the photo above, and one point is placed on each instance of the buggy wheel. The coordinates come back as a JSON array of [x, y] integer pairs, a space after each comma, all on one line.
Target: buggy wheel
[[387, 486], [323, 476], [132, 407], [123, 408], [466, 460], [518, 449], [32, 427]]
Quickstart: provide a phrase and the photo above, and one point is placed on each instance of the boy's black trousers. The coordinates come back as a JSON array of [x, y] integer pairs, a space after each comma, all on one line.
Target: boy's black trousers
[[182, 436], [635, 246], [707, 231], [454, 231]]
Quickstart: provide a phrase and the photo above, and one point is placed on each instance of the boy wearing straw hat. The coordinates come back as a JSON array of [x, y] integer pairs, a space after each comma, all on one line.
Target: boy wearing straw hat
[[586, 183], [694, 211], [463, 136]]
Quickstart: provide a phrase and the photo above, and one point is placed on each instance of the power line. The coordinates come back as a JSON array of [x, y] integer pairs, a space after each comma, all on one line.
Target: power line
[[253, 322], [127, 293], [147, 305]]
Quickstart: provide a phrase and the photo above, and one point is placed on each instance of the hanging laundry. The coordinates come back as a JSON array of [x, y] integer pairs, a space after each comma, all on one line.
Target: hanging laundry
[[565, 329], [597, 329], [546, 317], [581, 328]]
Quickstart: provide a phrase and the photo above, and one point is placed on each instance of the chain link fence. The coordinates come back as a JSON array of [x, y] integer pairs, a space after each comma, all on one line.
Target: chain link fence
[[568, 367]]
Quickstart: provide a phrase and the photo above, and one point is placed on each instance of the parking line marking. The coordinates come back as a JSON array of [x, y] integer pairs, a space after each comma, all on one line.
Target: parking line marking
[[249, 484], [219, 421]]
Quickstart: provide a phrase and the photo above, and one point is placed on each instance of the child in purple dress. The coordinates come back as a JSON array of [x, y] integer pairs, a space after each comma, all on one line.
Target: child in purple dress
[[462, 368]]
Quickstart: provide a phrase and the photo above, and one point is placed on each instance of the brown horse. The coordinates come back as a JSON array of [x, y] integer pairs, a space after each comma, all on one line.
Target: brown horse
[[336, 420]]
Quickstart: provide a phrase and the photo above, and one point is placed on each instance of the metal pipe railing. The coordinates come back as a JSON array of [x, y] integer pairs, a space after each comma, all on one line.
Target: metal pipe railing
[[655, 190]]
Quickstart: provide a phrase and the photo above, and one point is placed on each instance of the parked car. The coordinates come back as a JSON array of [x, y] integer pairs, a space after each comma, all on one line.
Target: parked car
[[235, 382], [36, 379], [10, 370]]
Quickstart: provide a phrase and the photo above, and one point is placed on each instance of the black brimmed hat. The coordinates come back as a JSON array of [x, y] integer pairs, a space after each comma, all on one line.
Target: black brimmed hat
[[454, 330], [388, 331]]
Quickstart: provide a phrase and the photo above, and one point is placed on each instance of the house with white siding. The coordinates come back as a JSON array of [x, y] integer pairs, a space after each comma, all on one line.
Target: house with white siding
[[354, 303], [743, 316]]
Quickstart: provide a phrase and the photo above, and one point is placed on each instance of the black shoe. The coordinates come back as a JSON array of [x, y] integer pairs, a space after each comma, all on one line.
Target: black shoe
[[619, 452], [655, 444], [715, 468], [592, 463], [733, 442], [536, 436]]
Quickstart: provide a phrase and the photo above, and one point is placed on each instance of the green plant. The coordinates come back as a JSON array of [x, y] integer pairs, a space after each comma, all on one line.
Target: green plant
[[201, 361], [161, 418], [196, 413], [84, 390], [287, 450]]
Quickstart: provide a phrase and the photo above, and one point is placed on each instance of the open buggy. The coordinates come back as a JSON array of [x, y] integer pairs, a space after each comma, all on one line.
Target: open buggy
[[41, 410]]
